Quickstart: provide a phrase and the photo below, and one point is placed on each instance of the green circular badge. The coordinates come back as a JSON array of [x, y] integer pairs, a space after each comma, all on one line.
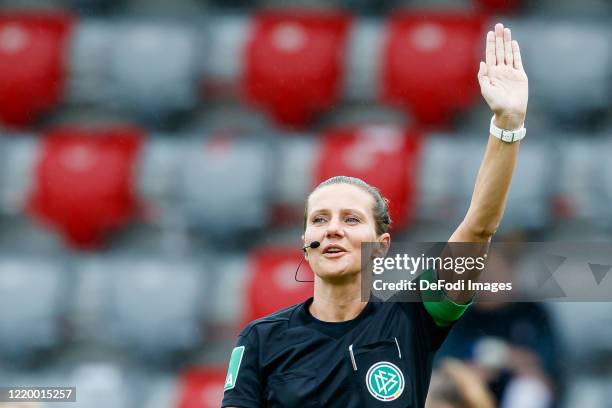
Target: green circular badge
[[385, 381]]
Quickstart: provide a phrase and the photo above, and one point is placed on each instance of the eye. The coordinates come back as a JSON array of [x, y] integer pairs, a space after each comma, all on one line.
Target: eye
[[318, 219], [352, 220]]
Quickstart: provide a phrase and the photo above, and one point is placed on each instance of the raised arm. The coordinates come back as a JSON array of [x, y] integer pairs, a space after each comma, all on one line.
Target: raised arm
[[504, 86]]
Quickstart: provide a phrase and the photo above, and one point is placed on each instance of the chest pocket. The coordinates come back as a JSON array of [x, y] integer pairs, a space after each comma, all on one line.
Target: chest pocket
[[292, 389], [381, 375]]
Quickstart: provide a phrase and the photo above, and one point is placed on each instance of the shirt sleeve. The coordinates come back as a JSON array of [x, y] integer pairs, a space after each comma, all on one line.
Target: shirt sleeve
[[242, 383], [433, 333]]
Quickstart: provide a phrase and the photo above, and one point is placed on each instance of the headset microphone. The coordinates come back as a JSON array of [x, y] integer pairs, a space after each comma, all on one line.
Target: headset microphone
[[313, 245]]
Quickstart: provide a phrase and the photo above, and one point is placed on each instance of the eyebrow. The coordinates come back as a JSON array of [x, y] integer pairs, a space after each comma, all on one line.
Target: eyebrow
[[344, 210]]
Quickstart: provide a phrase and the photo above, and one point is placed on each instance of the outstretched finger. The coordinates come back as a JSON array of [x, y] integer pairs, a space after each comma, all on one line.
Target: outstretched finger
[[508, 47], [490, 49], [516, 52], [499, 43]]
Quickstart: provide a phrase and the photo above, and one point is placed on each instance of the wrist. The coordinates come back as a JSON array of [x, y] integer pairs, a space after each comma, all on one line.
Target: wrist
[[512, 133], [509, 121]]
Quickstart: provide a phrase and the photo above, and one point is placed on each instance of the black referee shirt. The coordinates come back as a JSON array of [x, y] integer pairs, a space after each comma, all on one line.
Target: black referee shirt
[[382, 358]]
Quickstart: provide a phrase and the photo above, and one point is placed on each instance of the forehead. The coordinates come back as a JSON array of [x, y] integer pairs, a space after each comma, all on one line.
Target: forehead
[[339, 196]]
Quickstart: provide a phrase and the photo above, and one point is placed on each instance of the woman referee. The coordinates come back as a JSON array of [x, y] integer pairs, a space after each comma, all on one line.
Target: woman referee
[[334, 350]]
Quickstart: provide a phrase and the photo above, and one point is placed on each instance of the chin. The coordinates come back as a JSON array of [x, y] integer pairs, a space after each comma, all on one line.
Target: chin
[[338, 271]]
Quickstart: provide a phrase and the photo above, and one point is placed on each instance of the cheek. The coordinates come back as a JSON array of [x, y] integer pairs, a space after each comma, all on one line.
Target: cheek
[[309, 235], [366, 234]]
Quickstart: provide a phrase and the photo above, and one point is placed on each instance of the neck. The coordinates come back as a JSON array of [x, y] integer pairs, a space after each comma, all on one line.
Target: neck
[[337, 301]]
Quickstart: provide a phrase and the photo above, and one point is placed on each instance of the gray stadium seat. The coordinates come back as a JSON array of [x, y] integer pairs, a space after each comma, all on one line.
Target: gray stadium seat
[[445, 5], [574, 319], [228, 116], [30, 4], [228, 35], [589, 353], [18, 154], [438, 196], [363, 64], [161, 8], [581, 177], [155, 305], [316, 4], [166, 226], [588, 391], [241, 5], [568, 8], [149, 69], [561, 82], [229, 291], [101, 384], [89, 64], [295, 176], [19, 232], [162, 392], [158, 169], [149, 306], [225, 184], [34, 296], [605, 181], [528, 204], [155, 68], [91, 303], [38, 377], [91, 7]]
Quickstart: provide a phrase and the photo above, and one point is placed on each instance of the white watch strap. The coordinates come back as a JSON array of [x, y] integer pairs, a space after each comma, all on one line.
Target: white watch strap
[[506, 135]]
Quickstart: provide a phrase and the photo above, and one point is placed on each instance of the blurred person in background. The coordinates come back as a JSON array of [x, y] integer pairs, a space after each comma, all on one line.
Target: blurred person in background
[[336, 349], [456, 385], [513, 345]]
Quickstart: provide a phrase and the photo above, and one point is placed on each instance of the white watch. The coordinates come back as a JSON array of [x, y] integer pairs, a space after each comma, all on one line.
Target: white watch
[[506, 135]]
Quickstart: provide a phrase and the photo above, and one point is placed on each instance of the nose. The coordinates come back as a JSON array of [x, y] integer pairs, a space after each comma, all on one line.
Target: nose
[[334, 228]]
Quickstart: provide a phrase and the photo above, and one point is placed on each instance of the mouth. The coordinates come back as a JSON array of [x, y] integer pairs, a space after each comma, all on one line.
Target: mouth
[[334, 251]]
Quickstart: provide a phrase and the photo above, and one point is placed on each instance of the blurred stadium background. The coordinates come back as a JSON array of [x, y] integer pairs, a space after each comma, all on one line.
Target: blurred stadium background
[[155, 156]]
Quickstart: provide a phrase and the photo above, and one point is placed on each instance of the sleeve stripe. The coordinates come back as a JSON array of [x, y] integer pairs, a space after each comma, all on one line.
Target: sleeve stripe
[[439, 306]]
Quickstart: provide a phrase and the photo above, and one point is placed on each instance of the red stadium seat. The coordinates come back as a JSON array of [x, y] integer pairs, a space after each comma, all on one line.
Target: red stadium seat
[[499, 6], [271, 282], [385, 157], [294, 63], [201, 388], [84, 182], [430, 64], [33, 48]]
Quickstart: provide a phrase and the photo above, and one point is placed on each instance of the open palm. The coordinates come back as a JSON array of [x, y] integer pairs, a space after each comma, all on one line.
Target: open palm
[[503, 81]]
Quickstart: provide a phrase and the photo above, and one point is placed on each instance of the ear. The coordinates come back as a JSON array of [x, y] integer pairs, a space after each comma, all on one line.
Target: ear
[[384, 242]]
